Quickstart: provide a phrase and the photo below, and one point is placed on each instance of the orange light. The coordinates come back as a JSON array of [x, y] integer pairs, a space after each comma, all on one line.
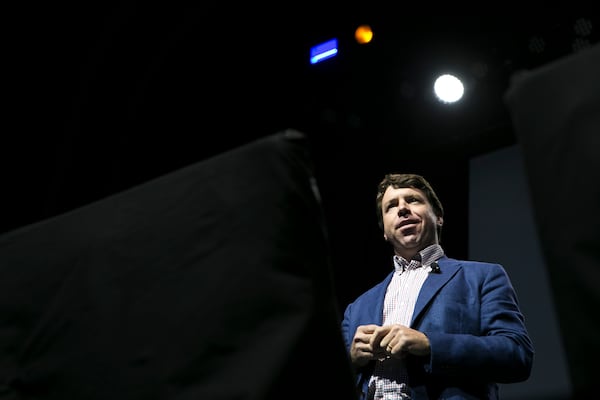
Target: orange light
[[363, 34]]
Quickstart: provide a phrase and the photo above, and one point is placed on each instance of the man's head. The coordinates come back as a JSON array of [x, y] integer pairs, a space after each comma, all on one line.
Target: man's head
[[407, 205]]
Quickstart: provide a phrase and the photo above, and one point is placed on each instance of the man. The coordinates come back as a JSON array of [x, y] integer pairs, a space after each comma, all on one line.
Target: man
[[435, 327]]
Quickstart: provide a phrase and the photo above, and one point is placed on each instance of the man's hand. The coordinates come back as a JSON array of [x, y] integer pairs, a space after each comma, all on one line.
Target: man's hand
[[362, 350], [399, 340], [374, 342]]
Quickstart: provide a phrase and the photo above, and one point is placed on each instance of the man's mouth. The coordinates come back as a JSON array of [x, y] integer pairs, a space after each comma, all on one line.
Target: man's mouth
[[407, 223]]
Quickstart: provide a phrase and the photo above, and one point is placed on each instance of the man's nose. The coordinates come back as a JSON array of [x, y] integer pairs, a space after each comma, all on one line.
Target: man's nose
[[403, 210]]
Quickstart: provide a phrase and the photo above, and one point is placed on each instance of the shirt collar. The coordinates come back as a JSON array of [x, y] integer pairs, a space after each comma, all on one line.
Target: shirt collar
[[425, 257]]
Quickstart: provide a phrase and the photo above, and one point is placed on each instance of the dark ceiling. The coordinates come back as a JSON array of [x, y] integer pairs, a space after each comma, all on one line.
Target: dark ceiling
[[383, 90], [114, 95]]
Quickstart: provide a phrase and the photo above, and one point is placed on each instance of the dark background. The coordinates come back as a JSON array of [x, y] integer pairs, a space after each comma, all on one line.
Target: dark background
[[103, 97], [111, 95]]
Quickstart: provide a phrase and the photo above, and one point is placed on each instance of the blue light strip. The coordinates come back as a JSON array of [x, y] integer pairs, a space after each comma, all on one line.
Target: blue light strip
[[323, 51]]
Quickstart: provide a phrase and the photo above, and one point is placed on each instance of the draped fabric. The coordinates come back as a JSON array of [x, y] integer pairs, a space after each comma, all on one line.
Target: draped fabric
[[210, 282], [556, 115]]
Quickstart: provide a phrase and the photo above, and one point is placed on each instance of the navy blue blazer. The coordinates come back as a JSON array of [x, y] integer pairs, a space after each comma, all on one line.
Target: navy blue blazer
[[470, 313]]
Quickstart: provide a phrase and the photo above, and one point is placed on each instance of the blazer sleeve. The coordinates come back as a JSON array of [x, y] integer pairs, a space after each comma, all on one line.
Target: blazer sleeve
[[476, 329]]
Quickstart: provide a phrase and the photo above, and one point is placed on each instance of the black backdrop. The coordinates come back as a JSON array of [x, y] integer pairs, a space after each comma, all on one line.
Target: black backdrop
[[556, 114], [210, 282]]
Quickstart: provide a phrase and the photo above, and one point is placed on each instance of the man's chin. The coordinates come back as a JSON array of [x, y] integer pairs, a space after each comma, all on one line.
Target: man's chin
[[410, 242]]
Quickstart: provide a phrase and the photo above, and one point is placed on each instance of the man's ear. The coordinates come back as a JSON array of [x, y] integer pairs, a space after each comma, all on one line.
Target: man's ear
[[440, 221]]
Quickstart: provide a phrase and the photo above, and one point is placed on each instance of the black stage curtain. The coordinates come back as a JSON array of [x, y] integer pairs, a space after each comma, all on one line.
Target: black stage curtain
[[211, 282], [556, 115]]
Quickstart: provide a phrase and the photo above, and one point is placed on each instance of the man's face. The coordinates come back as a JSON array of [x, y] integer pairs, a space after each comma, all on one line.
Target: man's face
[[409, 222]]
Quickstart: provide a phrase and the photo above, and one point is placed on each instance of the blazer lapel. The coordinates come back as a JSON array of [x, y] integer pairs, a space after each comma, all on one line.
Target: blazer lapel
[[434, 282]]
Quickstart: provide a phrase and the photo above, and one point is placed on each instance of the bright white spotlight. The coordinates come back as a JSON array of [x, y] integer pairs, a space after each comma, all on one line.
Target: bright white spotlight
[[448, 88]]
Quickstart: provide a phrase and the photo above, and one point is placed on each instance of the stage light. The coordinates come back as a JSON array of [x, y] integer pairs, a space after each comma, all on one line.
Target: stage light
[[363, 34], [448, 88], [323, 51]]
